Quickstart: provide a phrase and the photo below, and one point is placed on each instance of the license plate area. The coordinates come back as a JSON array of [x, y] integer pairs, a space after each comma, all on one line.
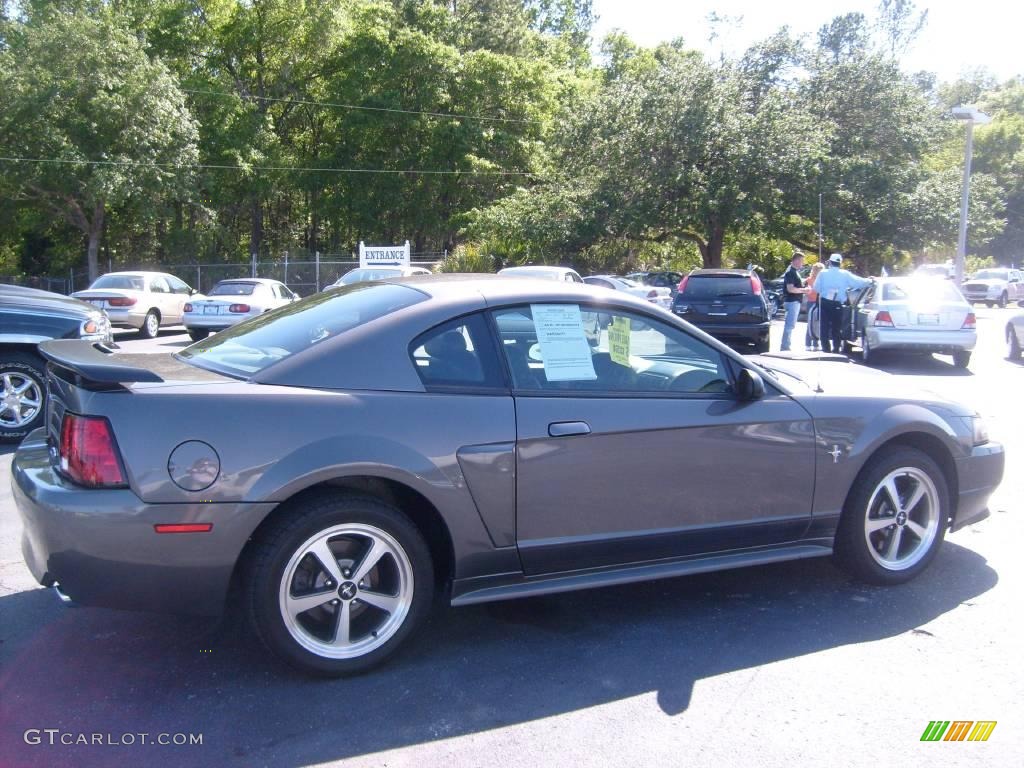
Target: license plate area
[[211, 310], [927, 319]]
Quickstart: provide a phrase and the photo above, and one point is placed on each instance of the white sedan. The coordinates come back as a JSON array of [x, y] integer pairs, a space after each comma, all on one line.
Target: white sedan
[[231, 302], [365, 274], [661, 297], [140, 300], [915, 314]]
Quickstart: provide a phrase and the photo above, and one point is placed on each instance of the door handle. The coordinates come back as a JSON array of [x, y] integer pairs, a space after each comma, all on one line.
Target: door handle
[[568, 428]]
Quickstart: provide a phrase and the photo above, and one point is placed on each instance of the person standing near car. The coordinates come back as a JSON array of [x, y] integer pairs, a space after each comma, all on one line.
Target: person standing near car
[[792, 296], [832, 286], [813, 327]]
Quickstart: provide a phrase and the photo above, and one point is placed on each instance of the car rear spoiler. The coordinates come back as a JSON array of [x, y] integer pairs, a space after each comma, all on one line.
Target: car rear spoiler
[[93, 363]]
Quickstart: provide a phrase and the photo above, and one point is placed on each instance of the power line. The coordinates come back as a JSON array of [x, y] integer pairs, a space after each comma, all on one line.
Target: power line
[[450, 115], [208, 166]]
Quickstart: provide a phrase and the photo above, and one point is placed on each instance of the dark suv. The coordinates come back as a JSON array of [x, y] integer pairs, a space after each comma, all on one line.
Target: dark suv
[[727, 303], [28, 317]]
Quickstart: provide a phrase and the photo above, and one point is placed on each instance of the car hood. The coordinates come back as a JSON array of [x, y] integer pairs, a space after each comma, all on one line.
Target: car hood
[[985, 281], [831, 376], [44, 301]]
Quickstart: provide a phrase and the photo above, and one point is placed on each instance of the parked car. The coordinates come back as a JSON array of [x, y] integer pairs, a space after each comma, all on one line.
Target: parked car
[[364, 274], [563, 274], [144, 301], [657, 279], [727, 303], [1015, 334], [913, 314], [232, 301], [661, 297], [995, 286], [28, 317], [945, 271], [491, 451]]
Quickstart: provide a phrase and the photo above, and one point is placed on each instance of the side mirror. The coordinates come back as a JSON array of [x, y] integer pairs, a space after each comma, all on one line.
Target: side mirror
[[193, 291], [749, 385]]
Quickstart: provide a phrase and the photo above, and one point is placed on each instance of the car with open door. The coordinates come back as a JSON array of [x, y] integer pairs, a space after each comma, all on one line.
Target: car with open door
[[474, 439], [912, 315]]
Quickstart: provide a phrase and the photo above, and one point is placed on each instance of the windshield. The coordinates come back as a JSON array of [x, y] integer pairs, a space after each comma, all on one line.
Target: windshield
[[121, 282], [233, 289], [255, 344], [364, 275], [992, 274], [713, 286]]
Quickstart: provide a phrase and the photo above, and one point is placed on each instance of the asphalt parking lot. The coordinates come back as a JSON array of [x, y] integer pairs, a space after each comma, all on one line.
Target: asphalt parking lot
[[777, 665]]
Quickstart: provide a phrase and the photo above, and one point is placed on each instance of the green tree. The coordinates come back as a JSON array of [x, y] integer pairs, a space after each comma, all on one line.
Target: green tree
[[98, 124]]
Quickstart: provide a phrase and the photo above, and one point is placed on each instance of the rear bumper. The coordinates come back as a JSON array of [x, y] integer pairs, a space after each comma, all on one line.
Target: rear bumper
[[132, 317], [922, 341], [100, 545], [212, 322], [978, 476], [751, 332]]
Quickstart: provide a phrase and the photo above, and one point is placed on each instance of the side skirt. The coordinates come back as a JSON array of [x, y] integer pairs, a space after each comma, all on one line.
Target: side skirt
[[508, 586]]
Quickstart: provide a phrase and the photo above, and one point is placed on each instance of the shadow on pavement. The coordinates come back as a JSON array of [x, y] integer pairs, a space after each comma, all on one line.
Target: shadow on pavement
[[473, 669], [914, 364]]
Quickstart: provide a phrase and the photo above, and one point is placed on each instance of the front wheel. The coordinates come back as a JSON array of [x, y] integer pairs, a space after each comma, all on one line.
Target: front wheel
[[1012, 344], [894, 518], [961, 359], [22, 393], [339, 583], [1003, 301]]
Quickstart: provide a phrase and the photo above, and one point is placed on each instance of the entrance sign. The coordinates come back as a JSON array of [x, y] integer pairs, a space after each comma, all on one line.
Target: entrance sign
[[384, 255]]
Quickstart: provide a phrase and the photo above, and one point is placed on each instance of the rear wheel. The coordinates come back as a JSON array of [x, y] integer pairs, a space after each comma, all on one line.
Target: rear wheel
[[337, 585], [198, 334], [150, 326], [866, 353], [894, 519], [1012, 344], [22, 392], [761, 346], [961, 359]]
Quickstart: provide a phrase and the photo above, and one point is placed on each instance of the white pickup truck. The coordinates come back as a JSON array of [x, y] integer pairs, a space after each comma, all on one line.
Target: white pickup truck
[[999, 285]]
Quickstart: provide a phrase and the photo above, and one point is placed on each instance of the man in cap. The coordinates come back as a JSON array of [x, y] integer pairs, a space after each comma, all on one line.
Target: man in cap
[[832, 286]]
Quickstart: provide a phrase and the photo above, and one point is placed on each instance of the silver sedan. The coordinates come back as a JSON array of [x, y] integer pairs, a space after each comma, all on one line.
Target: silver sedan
[[915, 314], [232, 301]]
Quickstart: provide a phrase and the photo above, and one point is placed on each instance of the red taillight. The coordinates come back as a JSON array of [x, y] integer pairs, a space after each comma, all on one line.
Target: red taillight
[[238, 308], [188, 307], [970, 322], [682, 284], [183, 528], [88, 452], [122, 301], [755, 285], [884, 318]]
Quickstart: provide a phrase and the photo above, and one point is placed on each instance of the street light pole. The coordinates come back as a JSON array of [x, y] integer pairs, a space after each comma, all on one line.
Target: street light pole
[[970, 116]]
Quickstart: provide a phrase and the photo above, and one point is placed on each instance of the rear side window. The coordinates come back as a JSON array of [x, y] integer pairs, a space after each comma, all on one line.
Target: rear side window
[[715, 286], [458, 354], [255, 344]]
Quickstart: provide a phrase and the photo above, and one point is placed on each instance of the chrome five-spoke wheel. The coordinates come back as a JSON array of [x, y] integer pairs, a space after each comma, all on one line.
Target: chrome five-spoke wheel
[[902, 518], [20, 400], [346, 591]]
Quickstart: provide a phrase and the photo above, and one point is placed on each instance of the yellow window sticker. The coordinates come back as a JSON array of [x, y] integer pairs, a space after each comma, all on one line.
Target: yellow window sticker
[[618, 340]]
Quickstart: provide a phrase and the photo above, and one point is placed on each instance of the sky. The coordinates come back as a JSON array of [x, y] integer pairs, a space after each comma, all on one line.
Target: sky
[[958, 37]]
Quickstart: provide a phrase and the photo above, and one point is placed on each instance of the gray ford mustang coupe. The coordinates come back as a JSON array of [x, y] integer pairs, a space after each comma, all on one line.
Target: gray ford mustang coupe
[[334, 464]]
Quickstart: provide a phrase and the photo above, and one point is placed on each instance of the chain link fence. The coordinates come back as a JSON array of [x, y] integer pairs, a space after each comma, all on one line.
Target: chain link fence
[[304, 276]]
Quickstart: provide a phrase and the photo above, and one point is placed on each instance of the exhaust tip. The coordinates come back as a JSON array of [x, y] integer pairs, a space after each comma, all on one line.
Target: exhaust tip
[[60, 595]]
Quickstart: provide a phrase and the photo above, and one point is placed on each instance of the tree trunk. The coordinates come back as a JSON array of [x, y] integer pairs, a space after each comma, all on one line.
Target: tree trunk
[[256, 234], [95, 232], [713, 253]]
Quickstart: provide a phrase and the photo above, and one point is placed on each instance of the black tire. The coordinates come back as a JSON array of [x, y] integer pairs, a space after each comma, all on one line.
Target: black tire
[[989, 304], [961, 359], [23, 367], [852, 550], [305, 518], [761, 346], [1012, 343], [866, 353], [150, 325], [198, 334], [1003, 301]]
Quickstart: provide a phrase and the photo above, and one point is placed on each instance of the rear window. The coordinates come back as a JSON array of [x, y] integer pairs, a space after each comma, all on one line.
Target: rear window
[[233, 289], [363, 275], [121, 282], [253, 345], [921, 290], [717, 286]]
